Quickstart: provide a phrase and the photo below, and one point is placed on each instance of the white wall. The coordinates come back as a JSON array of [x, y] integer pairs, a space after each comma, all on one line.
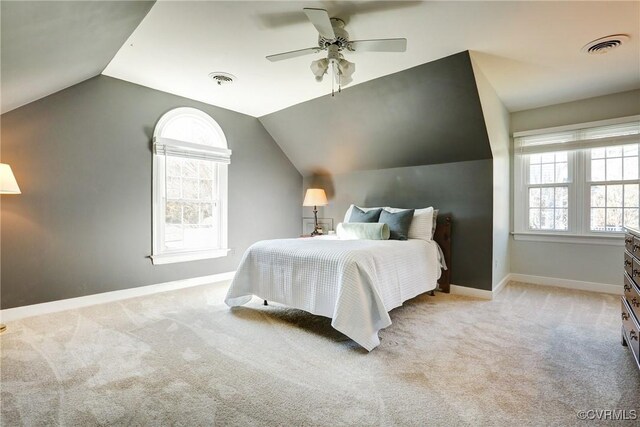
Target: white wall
[[584, 262], [496, 119]]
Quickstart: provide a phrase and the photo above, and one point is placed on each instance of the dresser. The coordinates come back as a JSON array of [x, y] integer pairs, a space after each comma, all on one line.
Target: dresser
[[631, 299]]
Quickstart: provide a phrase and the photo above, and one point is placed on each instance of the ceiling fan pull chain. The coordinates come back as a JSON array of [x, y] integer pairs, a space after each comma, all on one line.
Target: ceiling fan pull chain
[[333, 72]]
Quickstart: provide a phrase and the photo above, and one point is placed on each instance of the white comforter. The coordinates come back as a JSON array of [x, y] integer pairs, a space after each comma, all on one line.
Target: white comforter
[[354, 282]]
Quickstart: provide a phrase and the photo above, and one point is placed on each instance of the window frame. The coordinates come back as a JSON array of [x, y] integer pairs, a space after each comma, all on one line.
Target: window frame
[[579, 203], [162, 148]]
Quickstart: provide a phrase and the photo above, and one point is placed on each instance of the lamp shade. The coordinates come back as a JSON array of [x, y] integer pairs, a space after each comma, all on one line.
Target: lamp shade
[[315, 197], [8, 184]]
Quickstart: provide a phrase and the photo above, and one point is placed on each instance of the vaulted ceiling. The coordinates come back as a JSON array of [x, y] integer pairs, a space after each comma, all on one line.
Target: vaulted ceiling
[[50, 45], [529, 51]]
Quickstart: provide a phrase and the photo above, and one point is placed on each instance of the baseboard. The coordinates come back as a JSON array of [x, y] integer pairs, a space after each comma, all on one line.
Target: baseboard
[[17, 313], [470, 292], [501, 284], [569, 284]]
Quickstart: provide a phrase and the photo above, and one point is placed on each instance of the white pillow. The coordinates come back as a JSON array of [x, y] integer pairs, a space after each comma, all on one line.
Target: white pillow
[[347, 215], [422, 223]]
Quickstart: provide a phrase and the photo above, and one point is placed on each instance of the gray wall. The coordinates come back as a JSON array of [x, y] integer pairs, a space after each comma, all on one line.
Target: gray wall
[[82, 224], [424, 115], [51, 45], [584, 262], [462, 190]]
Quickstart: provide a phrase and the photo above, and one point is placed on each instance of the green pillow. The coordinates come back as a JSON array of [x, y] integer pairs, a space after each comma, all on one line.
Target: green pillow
[[398, 222], [358, 215], [363, 231]]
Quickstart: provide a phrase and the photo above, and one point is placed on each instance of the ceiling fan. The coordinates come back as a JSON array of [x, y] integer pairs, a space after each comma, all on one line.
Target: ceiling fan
[[333, 38]]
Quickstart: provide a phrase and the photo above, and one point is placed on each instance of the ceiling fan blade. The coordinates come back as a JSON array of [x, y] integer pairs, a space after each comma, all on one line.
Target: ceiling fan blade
[[379, 45], [320, 19], [293, 54]]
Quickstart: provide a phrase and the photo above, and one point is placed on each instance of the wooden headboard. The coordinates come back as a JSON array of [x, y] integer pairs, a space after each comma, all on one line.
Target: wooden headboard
[[442, 237]]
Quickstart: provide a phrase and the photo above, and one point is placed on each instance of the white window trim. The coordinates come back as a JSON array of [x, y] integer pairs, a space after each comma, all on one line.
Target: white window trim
[[579, 189], [221, 156]]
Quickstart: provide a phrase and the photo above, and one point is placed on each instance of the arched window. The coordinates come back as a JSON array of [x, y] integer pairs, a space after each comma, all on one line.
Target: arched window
[[190, 169]]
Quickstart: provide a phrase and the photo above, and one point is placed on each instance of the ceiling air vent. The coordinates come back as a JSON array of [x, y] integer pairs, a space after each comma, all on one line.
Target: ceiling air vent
[[222, 78], [604, 44]]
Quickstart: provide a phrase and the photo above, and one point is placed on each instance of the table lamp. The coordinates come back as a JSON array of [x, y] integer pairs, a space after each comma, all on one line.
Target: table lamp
[[315, 197], [8, 185]]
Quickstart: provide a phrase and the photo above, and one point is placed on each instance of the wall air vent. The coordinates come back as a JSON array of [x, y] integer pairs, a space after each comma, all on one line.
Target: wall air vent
[[604, 44], [222, 78]]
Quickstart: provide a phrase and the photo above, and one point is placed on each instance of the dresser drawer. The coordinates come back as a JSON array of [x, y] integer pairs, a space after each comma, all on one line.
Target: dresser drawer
[[628, 264], [630, 328], [635, 249], [628, 242], [632, 295]]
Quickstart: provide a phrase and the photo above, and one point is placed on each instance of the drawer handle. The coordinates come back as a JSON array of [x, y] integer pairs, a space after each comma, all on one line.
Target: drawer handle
[[627, 288], [625, 316], [628, 241], [627, 263], [633, 335], [636, 272], [635, 302], [636, 247]]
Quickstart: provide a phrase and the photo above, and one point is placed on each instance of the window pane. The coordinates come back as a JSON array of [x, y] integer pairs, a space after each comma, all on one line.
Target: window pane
[[614, 169], [206, 190], [630, 150], [614, 219], [206, 170], [630, 168], [562, 173], [190, 168], [631, 217], [174, 188], [614, 196], [190, 189], [561, 157], [534, 159], [562, 197], [548, 173], [546, 219], [598, 196], [173, 213], [534, 197], [548, 157], [206, 214], [534, 174], [534, 219], [562, 222], [597, 170], [631, 195], [597, 219], [174, 166], [191, 213], [547, 197], [614, 151], [597, 153]]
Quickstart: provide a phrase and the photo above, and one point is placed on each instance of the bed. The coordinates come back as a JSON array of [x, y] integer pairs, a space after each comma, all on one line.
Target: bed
[[353, 282]]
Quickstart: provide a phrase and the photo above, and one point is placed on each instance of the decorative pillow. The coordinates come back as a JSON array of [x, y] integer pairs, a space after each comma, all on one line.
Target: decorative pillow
[[423, 225], [398, 222], [347, 214], [363, 231], [358, 215]]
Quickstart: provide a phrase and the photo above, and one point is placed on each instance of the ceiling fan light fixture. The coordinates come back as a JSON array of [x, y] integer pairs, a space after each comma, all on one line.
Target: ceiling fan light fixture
[[319, 68]]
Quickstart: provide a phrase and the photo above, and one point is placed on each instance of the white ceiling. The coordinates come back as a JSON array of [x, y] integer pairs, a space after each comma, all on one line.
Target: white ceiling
[[529, 51]]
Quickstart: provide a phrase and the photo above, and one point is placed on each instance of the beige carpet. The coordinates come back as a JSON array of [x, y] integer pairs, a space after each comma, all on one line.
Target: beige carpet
[[533, 356]]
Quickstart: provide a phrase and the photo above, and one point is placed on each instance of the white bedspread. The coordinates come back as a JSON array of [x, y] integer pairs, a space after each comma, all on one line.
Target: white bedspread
[[354, 282]]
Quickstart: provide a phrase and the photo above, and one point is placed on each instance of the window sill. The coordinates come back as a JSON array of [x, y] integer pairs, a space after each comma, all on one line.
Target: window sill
[[170, 258], [590, 239]]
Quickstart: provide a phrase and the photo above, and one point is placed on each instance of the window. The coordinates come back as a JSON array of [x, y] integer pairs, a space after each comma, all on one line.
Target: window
[[190, 163], [578, 180]]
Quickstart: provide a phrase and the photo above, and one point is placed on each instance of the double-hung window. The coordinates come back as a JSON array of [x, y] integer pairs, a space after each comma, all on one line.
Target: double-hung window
[[579, 181], [190, 168]]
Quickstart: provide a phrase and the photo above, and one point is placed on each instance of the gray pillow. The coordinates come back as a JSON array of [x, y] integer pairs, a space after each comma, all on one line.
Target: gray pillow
[[358, 215], [398, 222]]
